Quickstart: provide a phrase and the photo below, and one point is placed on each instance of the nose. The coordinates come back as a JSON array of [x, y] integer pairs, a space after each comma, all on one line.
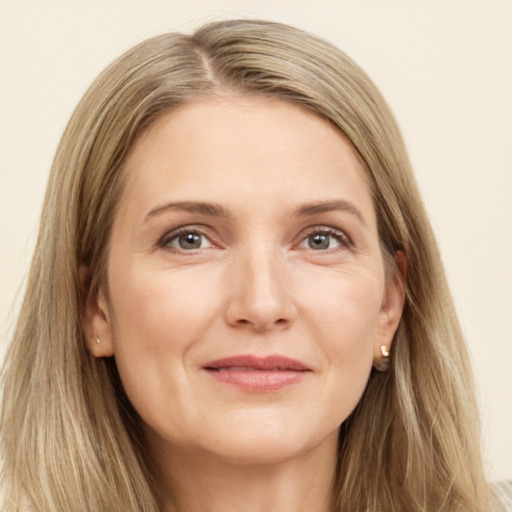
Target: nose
[[261, 297]]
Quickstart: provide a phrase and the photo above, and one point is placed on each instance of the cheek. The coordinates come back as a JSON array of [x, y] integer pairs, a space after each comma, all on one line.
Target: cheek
[[343, 316], [350, 344], [345, 305], [155, 318], [155, 307]]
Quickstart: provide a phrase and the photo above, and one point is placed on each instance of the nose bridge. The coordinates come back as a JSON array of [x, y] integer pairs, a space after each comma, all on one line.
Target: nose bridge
[[261, 294]]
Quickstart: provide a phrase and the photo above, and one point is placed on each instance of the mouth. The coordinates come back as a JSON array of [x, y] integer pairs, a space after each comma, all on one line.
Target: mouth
[[257, 374]]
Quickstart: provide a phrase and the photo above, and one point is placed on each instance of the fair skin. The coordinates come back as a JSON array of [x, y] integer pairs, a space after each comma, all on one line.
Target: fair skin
[[246, 230]]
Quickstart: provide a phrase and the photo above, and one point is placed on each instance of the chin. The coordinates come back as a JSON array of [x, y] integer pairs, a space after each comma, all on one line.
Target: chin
[[259, 455], [270, 447]]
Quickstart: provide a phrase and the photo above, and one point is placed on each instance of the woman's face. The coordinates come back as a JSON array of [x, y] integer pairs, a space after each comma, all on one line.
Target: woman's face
[[246, 296]]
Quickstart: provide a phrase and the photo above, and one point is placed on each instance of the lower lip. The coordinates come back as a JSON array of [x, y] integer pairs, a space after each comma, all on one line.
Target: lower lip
[[259, 381]]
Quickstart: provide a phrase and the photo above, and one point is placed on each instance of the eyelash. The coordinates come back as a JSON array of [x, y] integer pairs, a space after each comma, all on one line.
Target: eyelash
[[344, 241], [342, 238], [176, 233]]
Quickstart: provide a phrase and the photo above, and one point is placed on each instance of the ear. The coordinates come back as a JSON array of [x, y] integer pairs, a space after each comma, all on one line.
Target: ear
[[391, 309], [96, 321]]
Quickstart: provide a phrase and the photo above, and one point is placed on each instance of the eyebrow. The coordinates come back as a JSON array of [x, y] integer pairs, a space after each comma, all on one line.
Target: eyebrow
[[329, 206], [217, 210], [209, 209]]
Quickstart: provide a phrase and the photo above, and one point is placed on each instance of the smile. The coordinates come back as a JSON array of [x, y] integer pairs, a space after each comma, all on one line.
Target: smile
[[257, 374]]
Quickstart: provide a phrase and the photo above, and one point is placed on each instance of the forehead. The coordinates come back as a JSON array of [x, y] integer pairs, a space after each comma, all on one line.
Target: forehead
[[243, 148]]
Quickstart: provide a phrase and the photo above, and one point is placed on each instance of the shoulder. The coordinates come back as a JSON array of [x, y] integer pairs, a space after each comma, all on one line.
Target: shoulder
[[503, 491]]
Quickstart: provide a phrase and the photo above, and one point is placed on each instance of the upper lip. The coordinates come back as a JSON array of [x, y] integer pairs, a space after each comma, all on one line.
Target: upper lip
[[272, 362]]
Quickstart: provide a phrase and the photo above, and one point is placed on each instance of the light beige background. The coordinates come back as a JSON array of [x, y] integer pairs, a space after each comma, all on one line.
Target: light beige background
[[444, 66]]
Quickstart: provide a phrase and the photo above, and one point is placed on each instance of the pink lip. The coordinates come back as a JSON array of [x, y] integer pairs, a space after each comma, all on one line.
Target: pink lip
[[257, 374]]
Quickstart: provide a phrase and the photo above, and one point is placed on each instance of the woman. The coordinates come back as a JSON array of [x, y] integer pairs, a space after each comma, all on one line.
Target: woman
[[236, 299]]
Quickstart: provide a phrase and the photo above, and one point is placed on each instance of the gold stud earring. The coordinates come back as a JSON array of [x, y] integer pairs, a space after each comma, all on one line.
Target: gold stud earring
[[383, 364]]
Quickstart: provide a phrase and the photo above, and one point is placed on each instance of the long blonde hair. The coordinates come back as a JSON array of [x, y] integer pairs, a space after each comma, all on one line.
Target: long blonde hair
[[70, 438]]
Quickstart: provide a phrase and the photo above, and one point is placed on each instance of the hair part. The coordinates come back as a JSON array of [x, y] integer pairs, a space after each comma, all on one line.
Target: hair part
[[71, 439]]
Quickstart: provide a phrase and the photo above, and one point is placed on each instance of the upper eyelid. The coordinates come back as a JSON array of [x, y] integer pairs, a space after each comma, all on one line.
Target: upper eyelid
[[192, 228], [327, 230]]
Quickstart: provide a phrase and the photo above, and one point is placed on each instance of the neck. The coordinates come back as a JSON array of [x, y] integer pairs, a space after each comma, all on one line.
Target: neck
[[203, 482]]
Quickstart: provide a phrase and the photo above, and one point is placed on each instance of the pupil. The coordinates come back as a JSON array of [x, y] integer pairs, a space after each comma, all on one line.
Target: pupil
[[319, 242], [190, 241]]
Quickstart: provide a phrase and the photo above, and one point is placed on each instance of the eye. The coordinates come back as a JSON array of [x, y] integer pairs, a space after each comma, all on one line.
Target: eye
[[186, 240], [321, 241], [325, 239]]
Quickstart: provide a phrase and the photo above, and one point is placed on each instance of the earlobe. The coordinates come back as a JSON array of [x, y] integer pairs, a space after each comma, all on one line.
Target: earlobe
[[391, 312], [96, 323]]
